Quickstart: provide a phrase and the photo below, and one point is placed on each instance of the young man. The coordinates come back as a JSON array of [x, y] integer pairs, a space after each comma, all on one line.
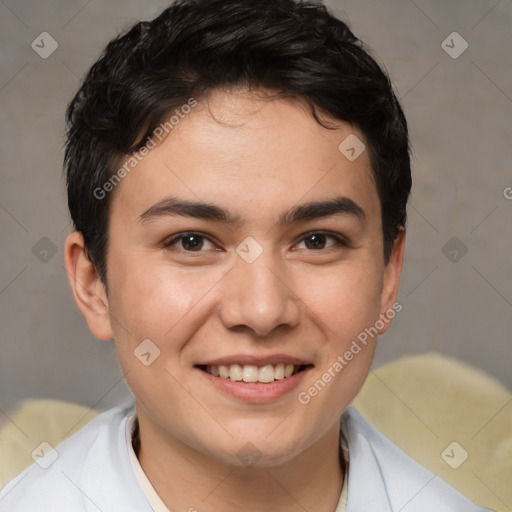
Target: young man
[[238, 174]]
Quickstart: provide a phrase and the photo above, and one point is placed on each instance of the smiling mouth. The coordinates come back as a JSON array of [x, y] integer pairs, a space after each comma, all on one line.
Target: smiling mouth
[[252, 373]]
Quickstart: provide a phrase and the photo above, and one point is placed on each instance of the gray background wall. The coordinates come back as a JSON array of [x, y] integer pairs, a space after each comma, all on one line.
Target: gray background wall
[[459, 110]]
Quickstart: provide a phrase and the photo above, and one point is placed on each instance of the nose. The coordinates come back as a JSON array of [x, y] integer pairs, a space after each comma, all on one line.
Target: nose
[[256, 297]]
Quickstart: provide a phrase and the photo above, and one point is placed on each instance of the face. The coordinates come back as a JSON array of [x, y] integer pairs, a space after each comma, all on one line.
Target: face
[[247, 246]]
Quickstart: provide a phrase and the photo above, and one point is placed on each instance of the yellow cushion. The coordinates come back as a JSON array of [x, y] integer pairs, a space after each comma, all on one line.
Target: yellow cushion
[[437, 410], [34, 422]]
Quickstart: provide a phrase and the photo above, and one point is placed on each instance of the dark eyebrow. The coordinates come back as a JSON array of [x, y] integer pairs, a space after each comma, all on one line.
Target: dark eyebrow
[[184, 208], [321, 209], [206, 211]]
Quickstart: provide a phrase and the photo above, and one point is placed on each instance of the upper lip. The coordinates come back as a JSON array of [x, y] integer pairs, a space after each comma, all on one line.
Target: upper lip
[[244, 359]]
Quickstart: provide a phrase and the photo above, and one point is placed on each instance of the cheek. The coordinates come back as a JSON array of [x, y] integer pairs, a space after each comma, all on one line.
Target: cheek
[[346, 299], [152, 299]]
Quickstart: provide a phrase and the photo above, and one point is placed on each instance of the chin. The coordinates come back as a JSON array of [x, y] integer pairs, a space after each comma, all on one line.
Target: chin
[[259, 453]]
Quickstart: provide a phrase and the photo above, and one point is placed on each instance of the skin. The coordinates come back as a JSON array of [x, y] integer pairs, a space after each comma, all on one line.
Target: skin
[[257, 159]]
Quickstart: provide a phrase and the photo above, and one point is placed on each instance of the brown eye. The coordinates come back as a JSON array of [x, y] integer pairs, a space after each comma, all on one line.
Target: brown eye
[[190, 242], [320, 241], [317, 241]]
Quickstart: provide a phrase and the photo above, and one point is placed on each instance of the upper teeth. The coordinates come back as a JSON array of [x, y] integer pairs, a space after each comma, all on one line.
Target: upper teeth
[[252, 373]]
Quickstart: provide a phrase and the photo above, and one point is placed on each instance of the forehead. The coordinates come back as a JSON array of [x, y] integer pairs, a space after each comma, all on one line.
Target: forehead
[[236, 148]]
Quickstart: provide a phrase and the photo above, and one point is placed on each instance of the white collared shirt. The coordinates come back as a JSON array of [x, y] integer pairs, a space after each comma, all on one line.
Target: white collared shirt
[[154, 499], [96, 470]]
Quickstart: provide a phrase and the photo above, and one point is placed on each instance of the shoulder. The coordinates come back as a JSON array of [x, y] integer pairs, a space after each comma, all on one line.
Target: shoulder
[[86, 472], [379, 472]]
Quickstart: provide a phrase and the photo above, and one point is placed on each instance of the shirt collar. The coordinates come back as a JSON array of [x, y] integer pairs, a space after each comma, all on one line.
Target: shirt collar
[[158, 505]]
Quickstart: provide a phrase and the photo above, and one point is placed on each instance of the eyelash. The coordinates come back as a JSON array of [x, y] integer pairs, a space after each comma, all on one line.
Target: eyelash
[[338, 239]]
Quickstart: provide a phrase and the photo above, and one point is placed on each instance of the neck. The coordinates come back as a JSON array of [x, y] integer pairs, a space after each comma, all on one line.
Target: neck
[[186, 479]]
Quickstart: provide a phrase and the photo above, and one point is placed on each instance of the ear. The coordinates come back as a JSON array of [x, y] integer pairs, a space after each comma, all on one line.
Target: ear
[[88, 290], [391, 281]]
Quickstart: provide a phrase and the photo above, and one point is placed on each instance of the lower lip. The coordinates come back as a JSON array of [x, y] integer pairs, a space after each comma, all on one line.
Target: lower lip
[[256, 392]]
